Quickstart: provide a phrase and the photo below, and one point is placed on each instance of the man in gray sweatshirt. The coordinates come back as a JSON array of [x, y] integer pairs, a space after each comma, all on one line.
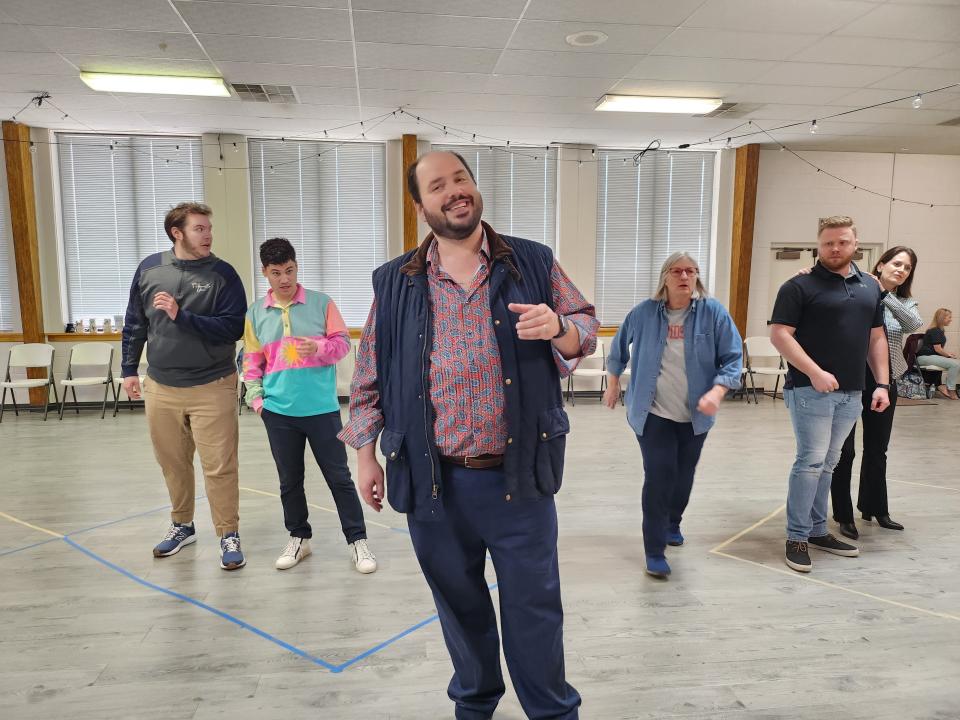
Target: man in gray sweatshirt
[[189, 306]]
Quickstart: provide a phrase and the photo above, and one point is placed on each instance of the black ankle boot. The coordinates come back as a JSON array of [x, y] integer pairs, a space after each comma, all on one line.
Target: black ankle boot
[[884, 521], [849, 530]]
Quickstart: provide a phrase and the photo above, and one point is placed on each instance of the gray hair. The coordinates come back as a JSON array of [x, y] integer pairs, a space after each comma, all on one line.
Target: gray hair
[[661, 293]]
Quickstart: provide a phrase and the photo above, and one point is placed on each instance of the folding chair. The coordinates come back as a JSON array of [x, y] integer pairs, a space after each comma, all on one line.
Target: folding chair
[[600, 372], [25, 356], [83, 354], [755, 348], [932, 375]]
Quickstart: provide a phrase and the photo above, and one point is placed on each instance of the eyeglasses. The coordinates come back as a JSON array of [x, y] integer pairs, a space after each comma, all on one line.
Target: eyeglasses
[[680, 272]]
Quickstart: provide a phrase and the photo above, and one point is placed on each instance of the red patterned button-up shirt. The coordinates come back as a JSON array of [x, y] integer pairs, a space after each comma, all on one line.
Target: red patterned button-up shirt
[[466, 380]]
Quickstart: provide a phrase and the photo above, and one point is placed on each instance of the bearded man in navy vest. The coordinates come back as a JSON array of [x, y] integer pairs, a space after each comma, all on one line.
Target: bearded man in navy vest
[[458, 372]]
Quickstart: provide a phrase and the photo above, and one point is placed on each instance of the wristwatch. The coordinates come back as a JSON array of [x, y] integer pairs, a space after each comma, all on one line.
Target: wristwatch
[[564, 326]]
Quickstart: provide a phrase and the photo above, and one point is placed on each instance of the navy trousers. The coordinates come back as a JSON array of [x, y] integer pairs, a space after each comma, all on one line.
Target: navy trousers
[[670, 455], [288, 437], [521, 536]]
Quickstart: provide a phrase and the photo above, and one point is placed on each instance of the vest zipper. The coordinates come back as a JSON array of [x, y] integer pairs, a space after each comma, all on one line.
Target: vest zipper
[[426, 416]]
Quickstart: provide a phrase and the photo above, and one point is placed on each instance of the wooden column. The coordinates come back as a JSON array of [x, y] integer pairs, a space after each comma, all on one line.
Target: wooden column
[[741, 251], [410, 239], [23, 223]]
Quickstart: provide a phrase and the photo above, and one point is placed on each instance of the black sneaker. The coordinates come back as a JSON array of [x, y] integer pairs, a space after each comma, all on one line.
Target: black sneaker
[[830, 544], [797, 557]]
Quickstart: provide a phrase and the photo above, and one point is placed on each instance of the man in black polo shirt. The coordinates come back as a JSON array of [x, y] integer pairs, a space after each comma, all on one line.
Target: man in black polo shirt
[[826, 324]]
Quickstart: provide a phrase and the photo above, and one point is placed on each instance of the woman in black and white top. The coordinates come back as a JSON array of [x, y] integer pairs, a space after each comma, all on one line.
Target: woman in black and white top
[[932, 352], [894, 271]]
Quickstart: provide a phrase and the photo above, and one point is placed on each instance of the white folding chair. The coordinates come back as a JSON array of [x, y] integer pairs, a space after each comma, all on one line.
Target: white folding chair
[[593, 372], [99, 354], [760, 357], [26, 356]]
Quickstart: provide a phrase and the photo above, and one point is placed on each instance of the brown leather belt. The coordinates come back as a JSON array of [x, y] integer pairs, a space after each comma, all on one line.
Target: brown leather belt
[[477, 462]]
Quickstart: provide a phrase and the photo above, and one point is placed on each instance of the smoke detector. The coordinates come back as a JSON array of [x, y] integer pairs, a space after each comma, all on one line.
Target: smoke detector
[[587, 38]]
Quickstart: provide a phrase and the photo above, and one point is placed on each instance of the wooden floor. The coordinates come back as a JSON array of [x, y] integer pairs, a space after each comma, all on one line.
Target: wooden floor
[[92, 626]]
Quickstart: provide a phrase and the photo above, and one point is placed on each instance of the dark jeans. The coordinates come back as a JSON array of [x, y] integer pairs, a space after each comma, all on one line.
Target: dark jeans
[[521, 535], [670, 454], [288, 436], [872, 499]]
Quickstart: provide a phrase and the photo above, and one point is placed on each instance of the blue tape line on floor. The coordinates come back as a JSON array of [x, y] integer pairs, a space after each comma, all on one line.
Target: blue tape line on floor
[[27, 547], [203, 606]]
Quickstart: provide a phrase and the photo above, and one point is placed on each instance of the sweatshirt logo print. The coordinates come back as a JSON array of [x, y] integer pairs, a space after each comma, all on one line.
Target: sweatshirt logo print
[[201, 287]]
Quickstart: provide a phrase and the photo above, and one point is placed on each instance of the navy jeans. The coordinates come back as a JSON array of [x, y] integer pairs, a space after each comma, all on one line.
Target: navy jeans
[[521, 536], [670, 455], [288, 437]]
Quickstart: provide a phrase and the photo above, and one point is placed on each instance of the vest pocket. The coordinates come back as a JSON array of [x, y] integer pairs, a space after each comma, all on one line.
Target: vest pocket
[[399, 483], [552, 428]]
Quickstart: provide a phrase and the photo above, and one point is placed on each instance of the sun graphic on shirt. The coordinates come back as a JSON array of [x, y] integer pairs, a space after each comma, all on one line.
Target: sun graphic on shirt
[[290, 355]]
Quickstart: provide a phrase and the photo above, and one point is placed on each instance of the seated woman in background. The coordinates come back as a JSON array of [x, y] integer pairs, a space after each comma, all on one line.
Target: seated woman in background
[[894, 271], [686, 354], [932, 353]]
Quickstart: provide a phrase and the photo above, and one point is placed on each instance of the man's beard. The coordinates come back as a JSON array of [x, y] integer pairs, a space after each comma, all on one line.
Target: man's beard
[[832, 263], [455, 230]]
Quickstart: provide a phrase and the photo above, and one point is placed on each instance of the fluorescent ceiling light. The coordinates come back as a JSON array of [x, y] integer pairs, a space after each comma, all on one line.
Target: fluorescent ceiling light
[[647, 103], [160, 84]]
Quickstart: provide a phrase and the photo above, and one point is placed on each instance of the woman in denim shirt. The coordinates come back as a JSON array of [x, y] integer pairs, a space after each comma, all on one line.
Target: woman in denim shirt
[[684, 353]]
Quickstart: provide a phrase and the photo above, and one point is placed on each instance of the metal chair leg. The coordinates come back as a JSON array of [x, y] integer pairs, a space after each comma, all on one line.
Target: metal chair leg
[[63, 401], [46, 403], [103, 407], [13, 396], [3, 404], [76, 403]]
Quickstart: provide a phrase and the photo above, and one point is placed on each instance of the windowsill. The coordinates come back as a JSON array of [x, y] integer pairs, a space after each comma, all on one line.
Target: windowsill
[[84, 337]]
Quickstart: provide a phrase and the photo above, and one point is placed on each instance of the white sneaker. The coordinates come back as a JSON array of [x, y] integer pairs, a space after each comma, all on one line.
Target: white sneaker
[[295, 551], [365, 560]]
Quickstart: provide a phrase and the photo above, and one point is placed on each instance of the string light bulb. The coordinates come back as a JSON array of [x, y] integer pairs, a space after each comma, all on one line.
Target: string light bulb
[[814, 127], [33, 148], [917, 101], [729, 144], [235, 148], [271, 170]]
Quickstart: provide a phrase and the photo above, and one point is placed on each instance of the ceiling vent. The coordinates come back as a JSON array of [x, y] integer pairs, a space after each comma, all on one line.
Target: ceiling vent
[[951, 123], [733, 110], [251, 92]]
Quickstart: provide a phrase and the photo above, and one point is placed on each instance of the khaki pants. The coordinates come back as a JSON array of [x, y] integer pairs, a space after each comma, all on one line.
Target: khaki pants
[[201, 418]]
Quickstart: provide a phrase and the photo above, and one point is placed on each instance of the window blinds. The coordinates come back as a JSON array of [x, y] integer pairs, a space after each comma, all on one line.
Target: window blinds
[[645, 213], [113, 203], [519, 189], [329, 200]]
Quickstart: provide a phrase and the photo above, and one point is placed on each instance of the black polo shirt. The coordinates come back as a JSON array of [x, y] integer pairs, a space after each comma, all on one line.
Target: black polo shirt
[[833, 316]]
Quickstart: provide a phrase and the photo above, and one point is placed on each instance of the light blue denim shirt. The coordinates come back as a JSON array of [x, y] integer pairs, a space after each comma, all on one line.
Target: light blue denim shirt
[[712, 346]]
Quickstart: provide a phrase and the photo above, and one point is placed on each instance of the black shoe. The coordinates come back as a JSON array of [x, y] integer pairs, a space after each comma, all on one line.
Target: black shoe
[[797, 557], [830, 544], [883, 521], [849, 530]]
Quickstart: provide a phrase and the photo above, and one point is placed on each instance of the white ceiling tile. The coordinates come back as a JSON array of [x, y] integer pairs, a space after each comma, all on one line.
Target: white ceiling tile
[[780, 113], [172, 104], [551, 35], [948, 60], [571, 64], [278, 50], [122, 14], [662, 67], [589, 87], [900, 115], [425, 57], [919, 79], [754, 93], [217, 18], [810, 16], [869, 96], [674, 88], [16, 38], [35, 63], [413, 29], [131, 43], [820, 74], [33, 83], [313, 95], [870, 51], [144, 66], [467, 8], [296, 75], [700, 42], [648, 12], [330, 4], [429, 80], [913, 22], [444, 101]]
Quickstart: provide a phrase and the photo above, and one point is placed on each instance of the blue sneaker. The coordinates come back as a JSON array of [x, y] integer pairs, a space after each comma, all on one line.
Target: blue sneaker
[[674, 536], [177, 536], [231, 556], [657, 566]]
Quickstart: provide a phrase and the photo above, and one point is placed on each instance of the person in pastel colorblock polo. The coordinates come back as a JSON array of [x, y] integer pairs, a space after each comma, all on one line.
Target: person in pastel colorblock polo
[[293, 339]]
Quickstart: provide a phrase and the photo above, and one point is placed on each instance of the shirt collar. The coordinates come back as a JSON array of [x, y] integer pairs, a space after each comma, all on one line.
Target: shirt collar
[[433, 258], [299, 297], [824, 272]]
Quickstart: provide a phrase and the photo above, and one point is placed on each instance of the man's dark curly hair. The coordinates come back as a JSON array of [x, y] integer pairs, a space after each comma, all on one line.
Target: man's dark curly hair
[[277, 251]]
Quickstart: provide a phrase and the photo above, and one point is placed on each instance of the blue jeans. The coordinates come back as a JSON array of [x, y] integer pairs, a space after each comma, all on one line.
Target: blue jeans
[[821, 423]]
